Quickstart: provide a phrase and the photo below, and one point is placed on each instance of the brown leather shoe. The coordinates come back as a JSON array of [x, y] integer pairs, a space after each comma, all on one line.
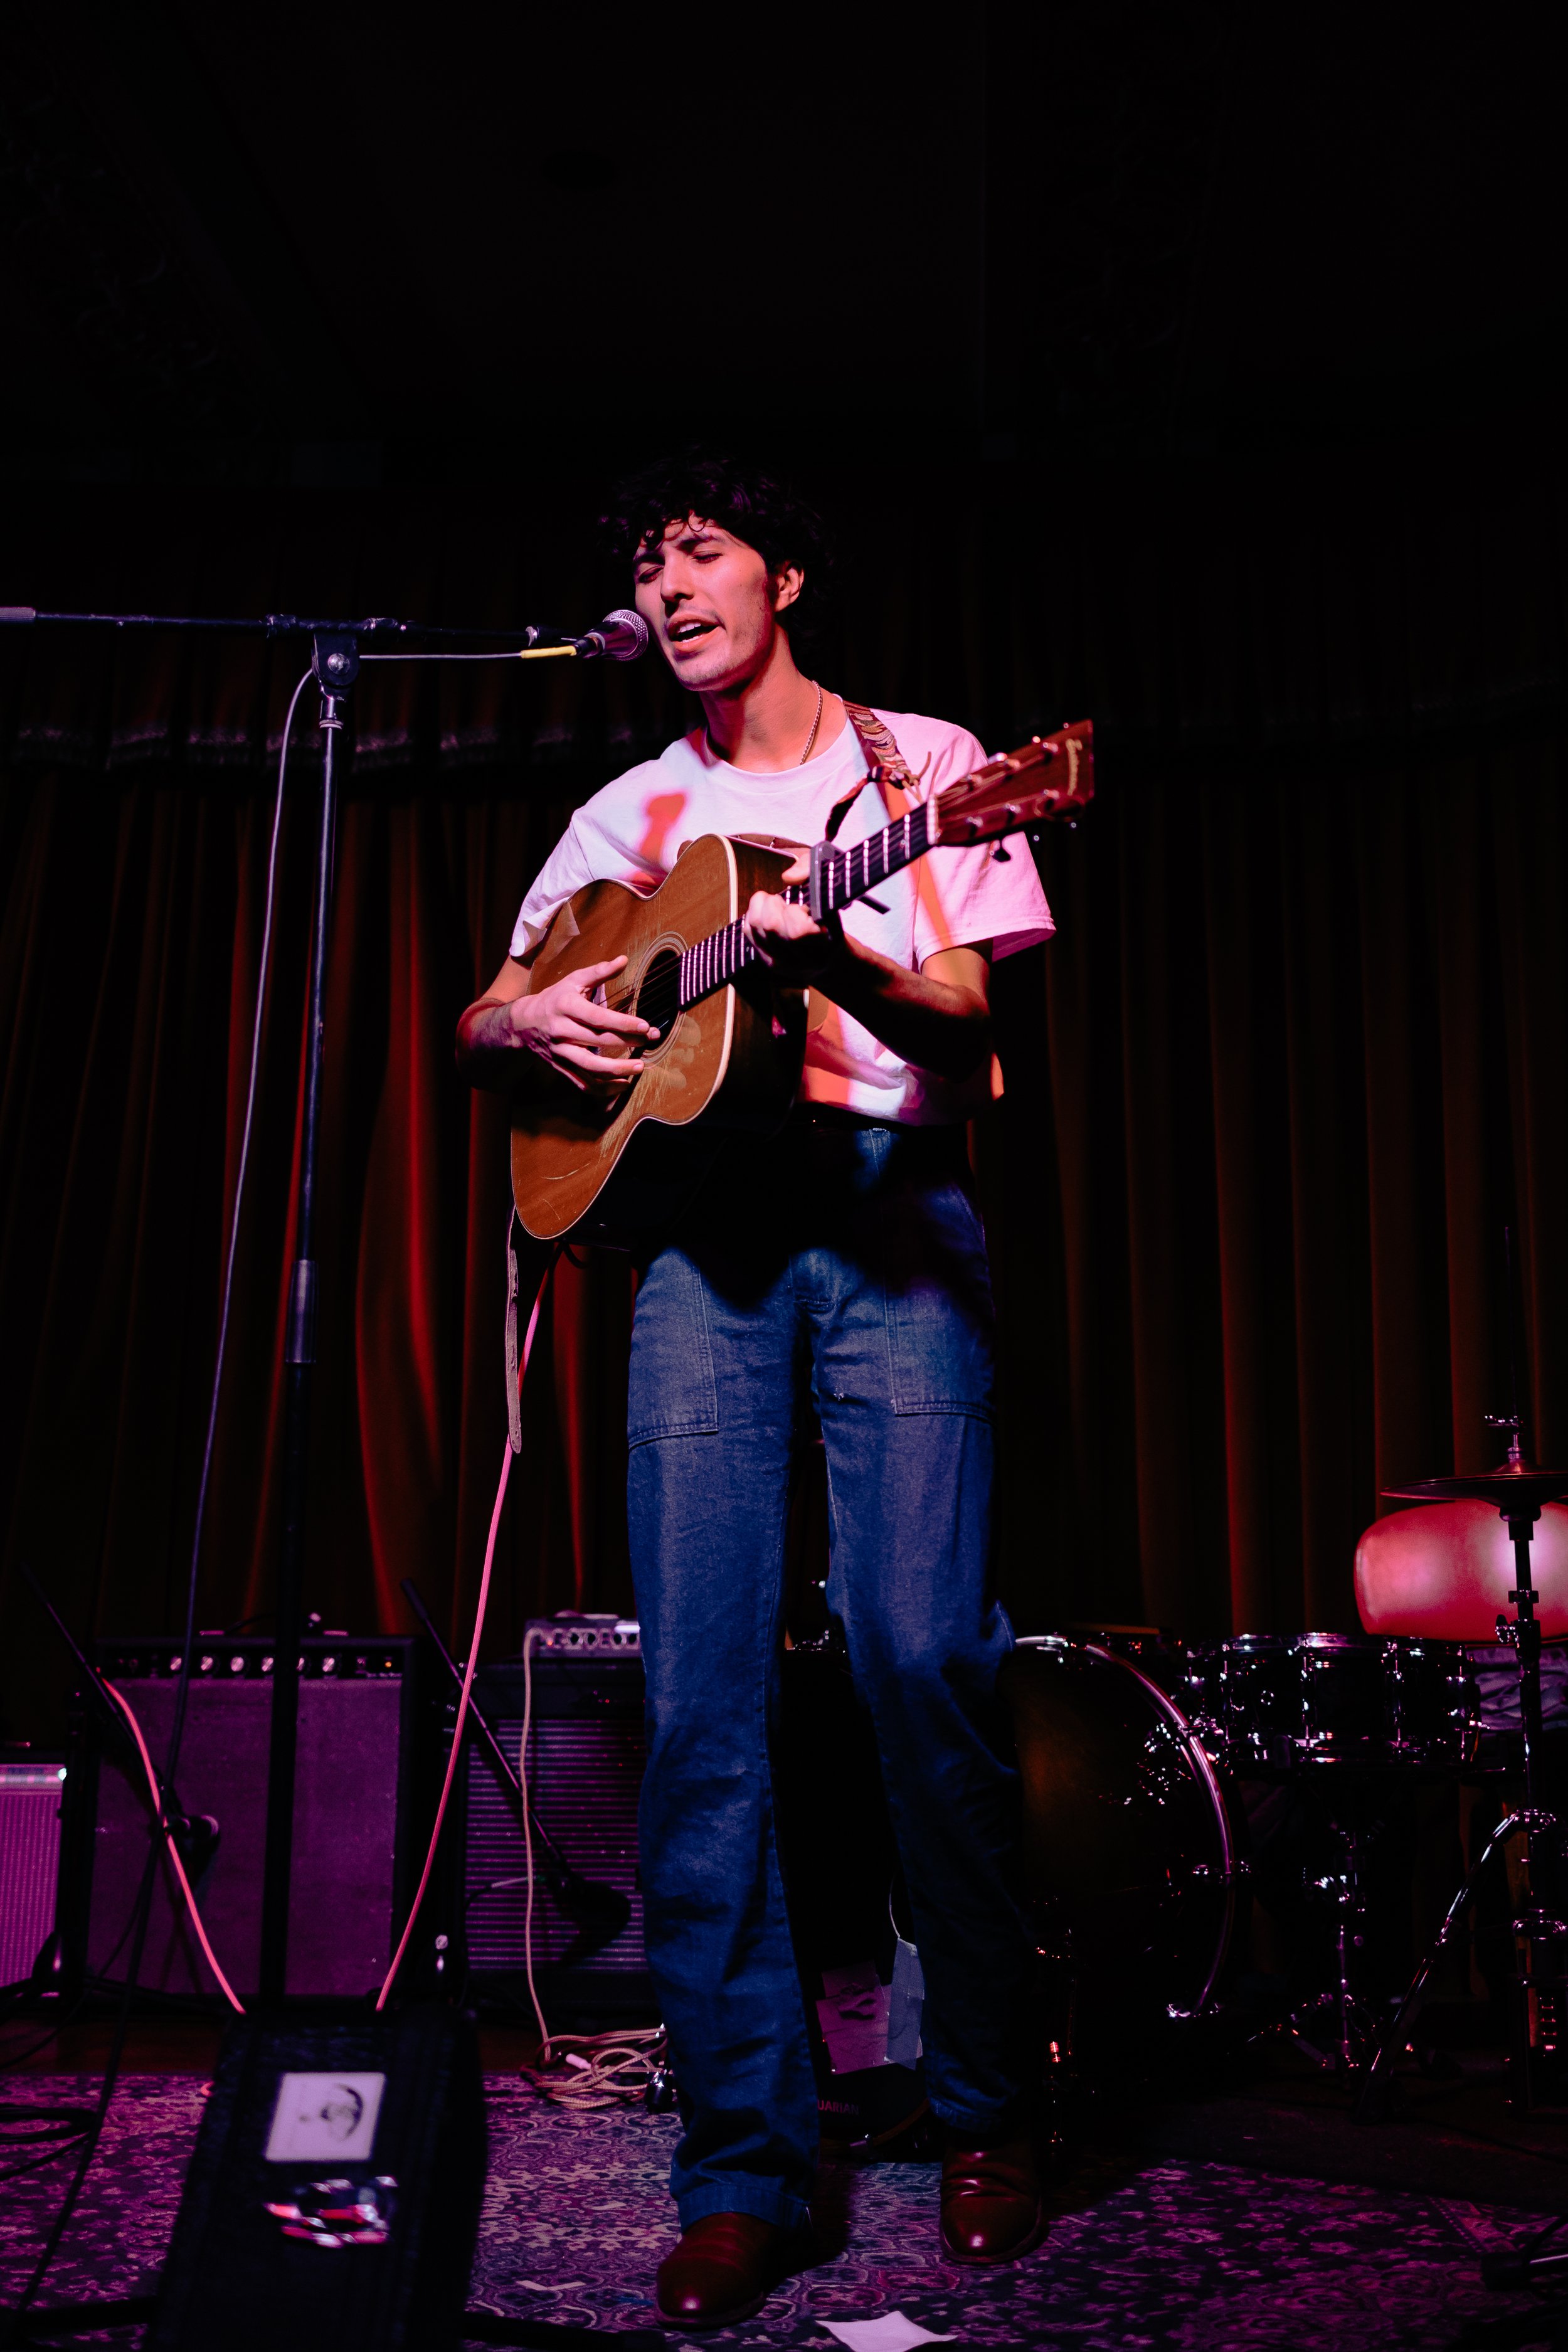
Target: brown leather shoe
[[992, 2206], [724, 2269]]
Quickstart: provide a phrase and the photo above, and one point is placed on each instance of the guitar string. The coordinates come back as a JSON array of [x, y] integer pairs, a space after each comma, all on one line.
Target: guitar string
[[725, 952], [679, 979]]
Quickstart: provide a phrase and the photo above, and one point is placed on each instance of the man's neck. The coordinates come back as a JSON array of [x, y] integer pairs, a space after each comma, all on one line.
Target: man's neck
[[766, 723]]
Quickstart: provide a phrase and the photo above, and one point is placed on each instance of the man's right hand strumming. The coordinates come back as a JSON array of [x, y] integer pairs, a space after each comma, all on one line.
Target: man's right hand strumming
[[584, 1041]]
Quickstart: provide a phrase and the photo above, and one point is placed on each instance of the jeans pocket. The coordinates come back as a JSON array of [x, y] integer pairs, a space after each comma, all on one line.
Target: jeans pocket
[[671, 1391], [940, 1313]]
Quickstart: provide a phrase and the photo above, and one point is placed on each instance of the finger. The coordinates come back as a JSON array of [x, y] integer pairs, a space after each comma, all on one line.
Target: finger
[[754, 932], [630, 1024], [799, 872], [570, 1032], [589, 975]]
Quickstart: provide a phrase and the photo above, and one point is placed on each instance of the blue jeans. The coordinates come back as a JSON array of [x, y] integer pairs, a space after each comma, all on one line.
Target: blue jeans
[[847, 1263]]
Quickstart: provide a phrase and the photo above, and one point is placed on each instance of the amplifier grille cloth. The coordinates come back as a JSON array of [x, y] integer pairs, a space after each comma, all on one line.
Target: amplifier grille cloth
[[29, 1867], [584, 1778]]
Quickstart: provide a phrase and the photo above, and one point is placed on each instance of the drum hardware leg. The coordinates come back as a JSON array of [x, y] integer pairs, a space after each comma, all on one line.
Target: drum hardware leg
[[1373, 2103], [1527, 2268], [1353, 2029]]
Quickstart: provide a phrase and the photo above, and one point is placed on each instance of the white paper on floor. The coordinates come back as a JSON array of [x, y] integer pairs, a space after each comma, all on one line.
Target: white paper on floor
[[891, 2333]]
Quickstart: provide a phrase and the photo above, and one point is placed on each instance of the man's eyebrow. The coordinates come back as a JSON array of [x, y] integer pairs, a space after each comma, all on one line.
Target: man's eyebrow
[[651, 550]]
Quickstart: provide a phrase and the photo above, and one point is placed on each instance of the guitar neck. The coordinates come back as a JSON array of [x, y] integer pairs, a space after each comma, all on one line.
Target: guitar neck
[[839, 876]]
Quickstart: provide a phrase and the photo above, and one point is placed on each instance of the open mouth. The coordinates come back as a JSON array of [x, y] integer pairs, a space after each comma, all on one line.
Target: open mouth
[[690, 633]]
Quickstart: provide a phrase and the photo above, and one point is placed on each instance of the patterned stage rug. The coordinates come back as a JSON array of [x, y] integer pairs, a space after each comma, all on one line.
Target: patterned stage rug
[[1196, 2257]]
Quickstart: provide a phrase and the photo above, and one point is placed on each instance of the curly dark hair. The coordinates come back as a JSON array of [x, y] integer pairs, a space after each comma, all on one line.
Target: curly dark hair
[[743, 498]]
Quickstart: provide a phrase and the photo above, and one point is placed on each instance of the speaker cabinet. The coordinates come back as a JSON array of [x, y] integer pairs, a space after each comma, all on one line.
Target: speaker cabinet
[[586, 1755], [359, 1793], [32, 1786]]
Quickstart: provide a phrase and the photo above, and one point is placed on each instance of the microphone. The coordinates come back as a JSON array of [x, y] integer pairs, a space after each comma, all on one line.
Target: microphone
[[620, 636]]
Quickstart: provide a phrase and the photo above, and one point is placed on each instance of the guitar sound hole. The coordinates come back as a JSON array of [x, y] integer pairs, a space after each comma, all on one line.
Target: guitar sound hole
[[658, 997]]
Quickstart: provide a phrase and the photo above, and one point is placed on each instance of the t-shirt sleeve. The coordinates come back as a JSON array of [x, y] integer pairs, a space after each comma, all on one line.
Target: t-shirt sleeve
[[567, 868], [967, 897]]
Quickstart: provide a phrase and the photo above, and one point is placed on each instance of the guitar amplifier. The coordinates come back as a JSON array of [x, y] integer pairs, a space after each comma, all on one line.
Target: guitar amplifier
[[358, 1804], [32, 1786], [586, 1755]]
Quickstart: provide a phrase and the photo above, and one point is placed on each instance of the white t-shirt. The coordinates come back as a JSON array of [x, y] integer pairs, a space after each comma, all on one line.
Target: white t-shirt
[[633, 829]]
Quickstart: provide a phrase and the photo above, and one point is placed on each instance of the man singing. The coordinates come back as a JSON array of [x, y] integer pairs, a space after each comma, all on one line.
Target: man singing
[[841, 1261]]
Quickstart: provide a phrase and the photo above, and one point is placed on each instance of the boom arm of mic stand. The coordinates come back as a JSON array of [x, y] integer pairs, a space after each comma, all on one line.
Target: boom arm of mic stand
[[95, 1683], [497, 1753], [537, 644]]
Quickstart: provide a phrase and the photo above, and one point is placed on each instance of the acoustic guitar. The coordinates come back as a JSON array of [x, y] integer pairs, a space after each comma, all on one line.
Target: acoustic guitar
[[730, 1042]]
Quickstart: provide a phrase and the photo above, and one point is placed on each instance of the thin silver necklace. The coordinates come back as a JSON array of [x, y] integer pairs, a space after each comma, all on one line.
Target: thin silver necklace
[[811, 739]]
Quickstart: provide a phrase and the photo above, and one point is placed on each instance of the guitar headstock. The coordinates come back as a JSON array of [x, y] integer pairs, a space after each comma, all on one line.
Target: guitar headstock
[[1051, 775]]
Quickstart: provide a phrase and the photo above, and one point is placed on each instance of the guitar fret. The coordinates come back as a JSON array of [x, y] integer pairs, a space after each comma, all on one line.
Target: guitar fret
[[846, 875]]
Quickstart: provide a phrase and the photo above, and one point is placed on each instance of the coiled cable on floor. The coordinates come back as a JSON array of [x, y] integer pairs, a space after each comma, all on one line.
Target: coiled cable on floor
[[600, 2070]]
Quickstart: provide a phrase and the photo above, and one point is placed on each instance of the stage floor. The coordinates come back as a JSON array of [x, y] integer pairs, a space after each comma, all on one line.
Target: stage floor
[[1155, 2241]]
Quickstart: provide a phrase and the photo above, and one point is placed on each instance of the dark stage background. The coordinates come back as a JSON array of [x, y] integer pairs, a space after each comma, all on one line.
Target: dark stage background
[[1194, 368], [1295, 1057]]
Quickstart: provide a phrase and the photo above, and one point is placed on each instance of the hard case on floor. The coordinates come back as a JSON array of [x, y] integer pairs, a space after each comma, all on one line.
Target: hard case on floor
[[332, 2201]]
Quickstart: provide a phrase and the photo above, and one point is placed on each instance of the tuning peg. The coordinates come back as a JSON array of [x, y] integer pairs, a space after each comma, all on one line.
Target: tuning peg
[[1001, 855]]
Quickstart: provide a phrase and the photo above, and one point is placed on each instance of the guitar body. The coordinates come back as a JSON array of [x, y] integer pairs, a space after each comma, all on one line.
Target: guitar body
[[732, 1061]]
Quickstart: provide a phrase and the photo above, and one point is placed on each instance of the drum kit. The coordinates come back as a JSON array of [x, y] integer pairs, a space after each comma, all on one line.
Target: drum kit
[[1142, 1758]]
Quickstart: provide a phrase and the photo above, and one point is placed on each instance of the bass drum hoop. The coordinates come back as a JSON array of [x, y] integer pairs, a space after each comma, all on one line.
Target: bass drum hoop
[[1207, 1793], [1198, 1756]]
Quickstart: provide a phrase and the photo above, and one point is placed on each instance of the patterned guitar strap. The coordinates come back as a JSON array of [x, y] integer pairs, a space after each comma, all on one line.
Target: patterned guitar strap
[[887, 768]]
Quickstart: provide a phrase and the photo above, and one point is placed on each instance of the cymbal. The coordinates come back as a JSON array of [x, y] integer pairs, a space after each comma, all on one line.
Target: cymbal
[[1512, 1482]]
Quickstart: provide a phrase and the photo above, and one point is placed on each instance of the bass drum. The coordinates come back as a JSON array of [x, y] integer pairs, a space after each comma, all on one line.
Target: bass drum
[[1131, 1859]]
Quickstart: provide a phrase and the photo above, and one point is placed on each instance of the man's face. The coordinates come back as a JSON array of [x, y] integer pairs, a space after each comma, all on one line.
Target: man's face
[[711, 603]]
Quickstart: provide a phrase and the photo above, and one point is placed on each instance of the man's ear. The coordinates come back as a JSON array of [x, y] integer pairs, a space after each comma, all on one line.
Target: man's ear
[[788, 581]]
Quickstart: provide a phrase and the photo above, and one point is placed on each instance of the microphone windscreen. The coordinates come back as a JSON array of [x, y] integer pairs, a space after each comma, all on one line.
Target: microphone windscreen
[[623, 635]]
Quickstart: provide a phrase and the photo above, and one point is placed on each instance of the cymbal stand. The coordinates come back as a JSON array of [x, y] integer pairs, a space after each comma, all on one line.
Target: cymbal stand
[[1540, 1935]]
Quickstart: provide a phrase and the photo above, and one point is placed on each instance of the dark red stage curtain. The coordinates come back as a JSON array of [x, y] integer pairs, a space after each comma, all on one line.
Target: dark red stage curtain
[[1294, 1060]]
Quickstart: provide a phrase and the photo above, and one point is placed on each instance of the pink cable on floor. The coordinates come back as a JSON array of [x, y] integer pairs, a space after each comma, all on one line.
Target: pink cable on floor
[[473, 1661], [123, 1705]]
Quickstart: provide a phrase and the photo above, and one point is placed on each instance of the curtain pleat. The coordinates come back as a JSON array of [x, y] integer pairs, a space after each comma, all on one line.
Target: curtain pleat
[[1293, 1062]]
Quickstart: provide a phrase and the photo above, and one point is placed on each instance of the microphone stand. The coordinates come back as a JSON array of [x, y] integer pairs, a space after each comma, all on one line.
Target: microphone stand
[[335, 660]]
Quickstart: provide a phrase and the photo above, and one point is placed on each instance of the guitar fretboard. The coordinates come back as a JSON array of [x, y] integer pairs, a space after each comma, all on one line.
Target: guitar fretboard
[[846, 875]]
